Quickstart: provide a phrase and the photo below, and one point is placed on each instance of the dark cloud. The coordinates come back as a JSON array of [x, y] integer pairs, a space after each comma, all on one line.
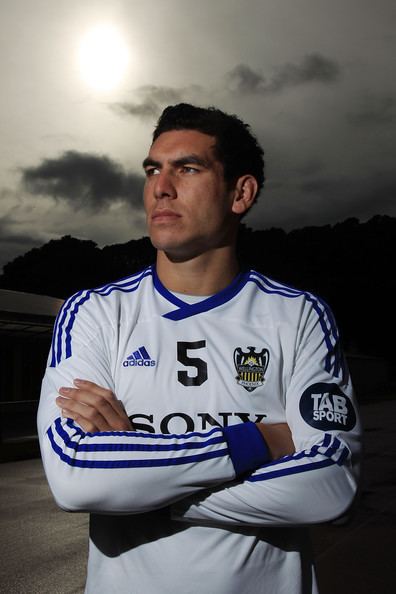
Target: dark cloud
[[162, 95], [153, 100], [147, 109], [312, 68], [373, 111], [8, 236], [245, 80], [84, 180]]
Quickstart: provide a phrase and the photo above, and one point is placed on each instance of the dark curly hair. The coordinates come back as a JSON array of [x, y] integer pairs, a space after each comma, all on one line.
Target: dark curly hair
[[236, 147]]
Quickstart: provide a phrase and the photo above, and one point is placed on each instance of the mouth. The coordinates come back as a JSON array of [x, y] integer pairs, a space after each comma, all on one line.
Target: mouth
[[164, 215]]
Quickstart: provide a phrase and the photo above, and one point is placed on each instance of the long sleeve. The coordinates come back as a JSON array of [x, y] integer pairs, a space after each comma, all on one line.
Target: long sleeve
[[124, 472], [318, 482]]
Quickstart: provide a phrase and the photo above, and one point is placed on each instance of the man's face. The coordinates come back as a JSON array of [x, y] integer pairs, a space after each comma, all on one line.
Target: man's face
[[188, 205]]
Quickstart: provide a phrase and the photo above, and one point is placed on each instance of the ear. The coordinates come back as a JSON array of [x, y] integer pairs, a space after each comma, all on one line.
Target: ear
[[244, 194]]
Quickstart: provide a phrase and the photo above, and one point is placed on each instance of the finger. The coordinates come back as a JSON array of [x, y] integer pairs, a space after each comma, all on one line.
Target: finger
[[98, 390], [105, 415], [86, 425], [86, 396], [87, 416], [92, 387]]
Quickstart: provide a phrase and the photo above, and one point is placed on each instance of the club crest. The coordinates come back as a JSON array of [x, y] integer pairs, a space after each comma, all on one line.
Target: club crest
[[251, 367]]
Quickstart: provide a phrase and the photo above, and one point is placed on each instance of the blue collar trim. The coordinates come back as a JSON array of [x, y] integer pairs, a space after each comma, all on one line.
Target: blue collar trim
[[186, 310]]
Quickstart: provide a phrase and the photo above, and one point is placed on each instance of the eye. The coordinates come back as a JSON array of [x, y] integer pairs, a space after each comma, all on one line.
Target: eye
[[189, 169], [150, 171]]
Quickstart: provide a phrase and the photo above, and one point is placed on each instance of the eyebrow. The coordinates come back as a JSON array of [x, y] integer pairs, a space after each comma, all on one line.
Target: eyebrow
[[185, 160], [149, 162]]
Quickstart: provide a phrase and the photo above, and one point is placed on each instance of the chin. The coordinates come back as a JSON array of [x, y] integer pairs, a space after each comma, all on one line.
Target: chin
[[162, 241], [174, 251]]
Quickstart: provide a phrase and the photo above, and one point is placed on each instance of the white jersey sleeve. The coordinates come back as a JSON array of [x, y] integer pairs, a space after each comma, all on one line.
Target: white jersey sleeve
[[318, 482], [124, 472]]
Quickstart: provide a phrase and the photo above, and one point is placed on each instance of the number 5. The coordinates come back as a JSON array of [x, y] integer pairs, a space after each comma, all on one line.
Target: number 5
[[200, 365]]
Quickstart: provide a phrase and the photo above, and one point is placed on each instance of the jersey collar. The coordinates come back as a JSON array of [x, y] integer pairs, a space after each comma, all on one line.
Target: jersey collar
[[186, 310]]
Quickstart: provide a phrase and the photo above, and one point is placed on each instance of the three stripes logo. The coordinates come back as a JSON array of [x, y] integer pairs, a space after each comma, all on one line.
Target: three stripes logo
[[139, 358]]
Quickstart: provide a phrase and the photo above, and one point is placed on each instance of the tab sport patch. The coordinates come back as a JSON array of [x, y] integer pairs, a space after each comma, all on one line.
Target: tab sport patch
[[325, 406]]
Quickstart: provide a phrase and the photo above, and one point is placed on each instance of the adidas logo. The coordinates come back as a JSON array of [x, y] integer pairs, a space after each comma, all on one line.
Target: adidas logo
[[139, 358]]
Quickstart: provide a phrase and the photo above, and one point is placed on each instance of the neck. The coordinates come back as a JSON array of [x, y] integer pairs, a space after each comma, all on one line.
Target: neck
[[204, 274]]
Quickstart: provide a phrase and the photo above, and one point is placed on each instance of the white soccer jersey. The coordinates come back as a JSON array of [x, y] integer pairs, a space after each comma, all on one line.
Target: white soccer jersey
[[188, 502]]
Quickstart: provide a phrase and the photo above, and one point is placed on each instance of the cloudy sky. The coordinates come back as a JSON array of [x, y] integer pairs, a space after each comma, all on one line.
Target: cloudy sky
[[83, 81]]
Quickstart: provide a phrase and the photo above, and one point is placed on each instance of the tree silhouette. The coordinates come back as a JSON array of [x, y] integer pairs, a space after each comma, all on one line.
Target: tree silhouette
[[350, 265]]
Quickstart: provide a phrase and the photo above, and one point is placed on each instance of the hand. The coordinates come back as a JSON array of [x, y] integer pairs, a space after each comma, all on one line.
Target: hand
[[93, 407], [278, 438]]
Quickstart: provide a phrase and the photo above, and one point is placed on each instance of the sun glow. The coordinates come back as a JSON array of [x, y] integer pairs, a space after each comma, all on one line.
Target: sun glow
[[103, 57]]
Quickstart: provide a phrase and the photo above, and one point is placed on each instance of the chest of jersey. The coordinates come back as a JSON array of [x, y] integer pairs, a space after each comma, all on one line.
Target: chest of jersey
[[214, 368]]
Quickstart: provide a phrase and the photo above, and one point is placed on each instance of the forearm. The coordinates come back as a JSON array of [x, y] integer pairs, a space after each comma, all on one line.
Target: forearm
[[314, 485], [131, 472], [94, 441]]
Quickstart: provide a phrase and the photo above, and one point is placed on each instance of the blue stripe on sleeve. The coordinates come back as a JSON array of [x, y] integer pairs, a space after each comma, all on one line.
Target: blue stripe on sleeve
[[293, 470], [333, 361], [127, 463], [133, 447], [328, 457], [58, 342], [63, 328]]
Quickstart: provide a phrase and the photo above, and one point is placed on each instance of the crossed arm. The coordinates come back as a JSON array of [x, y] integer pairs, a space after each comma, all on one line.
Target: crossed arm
[[96, 408], [312, 485], [96, 462]]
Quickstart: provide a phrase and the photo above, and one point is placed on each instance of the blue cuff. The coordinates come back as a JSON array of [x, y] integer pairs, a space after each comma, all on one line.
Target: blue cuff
[[247, 447]]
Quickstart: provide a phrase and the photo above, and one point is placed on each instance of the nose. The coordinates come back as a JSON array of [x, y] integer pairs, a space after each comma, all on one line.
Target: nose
[[164, 186]]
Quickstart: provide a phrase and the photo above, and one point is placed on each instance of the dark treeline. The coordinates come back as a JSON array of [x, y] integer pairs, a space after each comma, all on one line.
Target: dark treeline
[[350, 265]]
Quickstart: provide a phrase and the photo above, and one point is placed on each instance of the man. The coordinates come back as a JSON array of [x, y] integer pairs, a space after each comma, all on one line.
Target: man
[[169, 395]]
